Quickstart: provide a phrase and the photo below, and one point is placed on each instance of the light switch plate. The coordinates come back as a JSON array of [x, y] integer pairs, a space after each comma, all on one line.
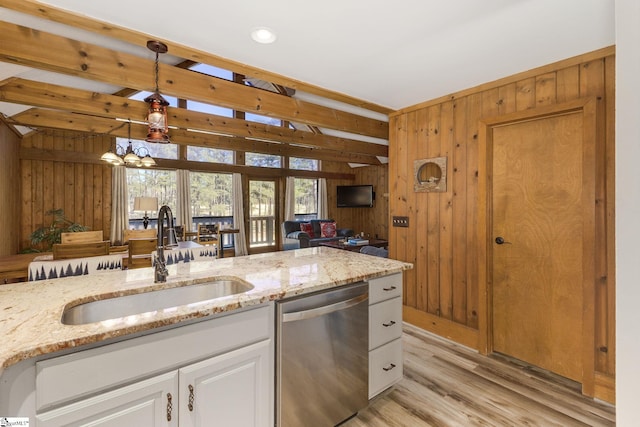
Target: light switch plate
[[400, 221]]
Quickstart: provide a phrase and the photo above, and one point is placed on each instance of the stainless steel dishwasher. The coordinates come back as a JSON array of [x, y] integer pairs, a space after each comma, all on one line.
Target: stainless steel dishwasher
[[322, 361]]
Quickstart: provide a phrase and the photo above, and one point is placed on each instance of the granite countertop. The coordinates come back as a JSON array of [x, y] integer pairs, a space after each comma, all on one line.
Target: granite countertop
[[30, 312]]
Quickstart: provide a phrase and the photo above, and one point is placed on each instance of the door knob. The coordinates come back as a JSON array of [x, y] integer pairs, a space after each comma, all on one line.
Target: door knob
[[500, 241]]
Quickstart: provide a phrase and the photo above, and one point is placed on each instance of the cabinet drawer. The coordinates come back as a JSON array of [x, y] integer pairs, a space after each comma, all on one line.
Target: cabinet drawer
[[385, 367], [385, 322], [382, 288]]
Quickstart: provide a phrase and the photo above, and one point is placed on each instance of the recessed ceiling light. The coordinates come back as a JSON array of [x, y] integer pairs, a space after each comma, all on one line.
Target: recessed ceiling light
[[263, 35]]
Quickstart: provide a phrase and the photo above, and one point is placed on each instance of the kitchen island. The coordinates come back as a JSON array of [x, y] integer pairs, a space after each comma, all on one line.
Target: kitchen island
[[31, 327]]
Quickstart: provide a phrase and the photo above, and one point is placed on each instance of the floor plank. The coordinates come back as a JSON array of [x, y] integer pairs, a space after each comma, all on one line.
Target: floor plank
[[446, 384]]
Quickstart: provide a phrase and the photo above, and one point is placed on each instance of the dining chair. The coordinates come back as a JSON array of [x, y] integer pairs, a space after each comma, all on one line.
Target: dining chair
[[82, 237], [80, 250], [140, 251], [146, 233], [180, 232], [44, 270]]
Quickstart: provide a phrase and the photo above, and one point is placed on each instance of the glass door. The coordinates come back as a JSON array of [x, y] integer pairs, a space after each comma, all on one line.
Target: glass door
[[262, 215]]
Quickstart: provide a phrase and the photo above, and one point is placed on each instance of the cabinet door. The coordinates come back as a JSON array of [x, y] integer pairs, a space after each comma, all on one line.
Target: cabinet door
[[233, 389], [146, 403]]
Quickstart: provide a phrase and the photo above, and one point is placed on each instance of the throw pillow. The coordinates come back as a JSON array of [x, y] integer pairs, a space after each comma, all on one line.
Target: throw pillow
[[328, 229], [307, 228]]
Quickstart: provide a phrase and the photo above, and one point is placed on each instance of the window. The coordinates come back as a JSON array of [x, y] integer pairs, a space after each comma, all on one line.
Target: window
[[250, 117], [150, 183], [263, 160], [209, 109], [211, 201], [306, 195], [211, 198], [213, 71], [206, 154], [304, 164]]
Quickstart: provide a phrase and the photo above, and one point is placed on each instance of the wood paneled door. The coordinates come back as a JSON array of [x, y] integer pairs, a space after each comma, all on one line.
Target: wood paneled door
[[540, 239]]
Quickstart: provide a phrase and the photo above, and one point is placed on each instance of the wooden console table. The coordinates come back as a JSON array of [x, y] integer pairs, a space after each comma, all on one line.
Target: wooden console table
[[378, 243]]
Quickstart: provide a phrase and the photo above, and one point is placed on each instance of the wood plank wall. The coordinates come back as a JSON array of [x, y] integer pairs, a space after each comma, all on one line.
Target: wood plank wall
[[373, 221], [9, 190], [83, 190], [441, 292]]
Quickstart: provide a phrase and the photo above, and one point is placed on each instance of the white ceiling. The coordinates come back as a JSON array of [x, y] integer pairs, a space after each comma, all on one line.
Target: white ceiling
[[392, 53]]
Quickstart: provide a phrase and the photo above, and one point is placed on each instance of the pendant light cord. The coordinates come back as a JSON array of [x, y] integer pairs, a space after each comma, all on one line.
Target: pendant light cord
[[157, 72]]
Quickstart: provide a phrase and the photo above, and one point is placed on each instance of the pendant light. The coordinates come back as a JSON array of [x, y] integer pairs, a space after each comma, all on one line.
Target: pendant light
[[157, 115]]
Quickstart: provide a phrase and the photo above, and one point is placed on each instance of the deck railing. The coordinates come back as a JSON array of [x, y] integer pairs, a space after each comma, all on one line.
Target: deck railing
[[262, 228]]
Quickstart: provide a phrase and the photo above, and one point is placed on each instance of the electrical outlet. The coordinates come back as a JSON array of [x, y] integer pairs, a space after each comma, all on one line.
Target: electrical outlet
[[400, 221]]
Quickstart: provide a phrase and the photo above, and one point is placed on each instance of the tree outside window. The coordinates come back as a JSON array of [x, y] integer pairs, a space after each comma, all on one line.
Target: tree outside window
[[306, 195], [211, 195], [151, 183], [263, 160]]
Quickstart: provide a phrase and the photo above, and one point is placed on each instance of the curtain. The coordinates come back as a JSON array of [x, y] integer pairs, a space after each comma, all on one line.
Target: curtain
[[119, 204], [323, 208], [240, 240], [183, 210], [290, 199]]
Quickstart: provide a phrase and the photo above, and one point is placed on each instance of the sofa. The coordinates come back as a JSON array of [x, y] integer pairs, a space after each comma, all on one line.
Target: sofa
[[295, 238]]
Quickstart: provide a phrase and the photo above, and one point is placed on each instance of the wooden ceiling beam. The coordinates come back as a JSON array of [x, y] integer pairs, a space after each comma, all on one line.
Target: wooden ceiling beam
[[50, 52], [28, 92], [94, 158], [48, 12], [103, 126]]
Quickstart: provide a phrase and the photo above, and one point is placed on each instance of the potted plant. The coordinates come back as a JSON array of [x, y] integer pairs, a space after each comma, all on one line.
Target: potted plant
[[44, 237]]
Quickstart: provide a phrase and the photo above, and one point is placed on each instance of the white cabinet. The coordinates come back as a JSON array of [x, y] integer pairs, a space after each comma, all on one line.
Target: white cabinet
[[221, 369], [146, 403], [229, 389], [385, 332]]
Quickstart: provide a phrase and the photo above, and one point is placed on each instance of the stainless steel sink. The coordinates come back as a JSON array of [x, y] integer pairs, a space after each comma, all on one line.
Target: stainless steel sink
[[123, 306]]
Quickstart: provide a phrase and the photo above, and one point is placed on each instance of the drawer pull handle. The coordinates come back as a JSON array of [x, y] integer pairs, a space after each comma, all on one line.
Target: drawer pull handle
[[391, 323], [392, 288], [169, 406], [388, 368], [191, 396]]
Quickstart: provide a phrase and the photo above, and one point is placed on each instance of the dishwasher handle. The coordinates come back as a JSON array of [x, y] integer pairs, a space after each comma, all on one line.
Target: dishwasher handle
[[325, 309]]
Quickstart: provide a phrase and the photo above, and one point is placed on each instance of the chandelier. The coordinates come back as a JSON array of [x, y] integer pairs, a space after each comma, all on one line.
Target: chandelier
[[128, 156]]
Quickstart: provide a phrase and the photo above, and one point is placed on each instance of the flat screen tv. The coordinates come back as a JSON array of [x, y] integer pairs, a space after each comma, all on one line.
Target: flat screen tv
[[355, 196]]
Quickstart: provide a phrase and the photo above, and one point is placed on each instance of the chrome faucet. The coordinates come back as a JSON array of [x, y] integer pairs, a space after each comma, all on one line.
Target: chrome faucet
[[160, 265]]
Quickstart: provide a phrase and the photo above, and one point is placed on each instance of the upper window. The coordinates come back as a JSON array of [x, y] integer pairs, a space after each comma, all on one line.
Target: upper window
[[206, 154], [213, 71], [250, 117], [209, 109], [304, 164], [263, 160]]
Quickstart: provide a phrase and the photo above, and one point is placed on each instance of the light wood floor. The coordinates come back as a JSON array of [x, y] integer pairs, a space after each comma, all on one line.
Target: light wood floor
[[446, 384]]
